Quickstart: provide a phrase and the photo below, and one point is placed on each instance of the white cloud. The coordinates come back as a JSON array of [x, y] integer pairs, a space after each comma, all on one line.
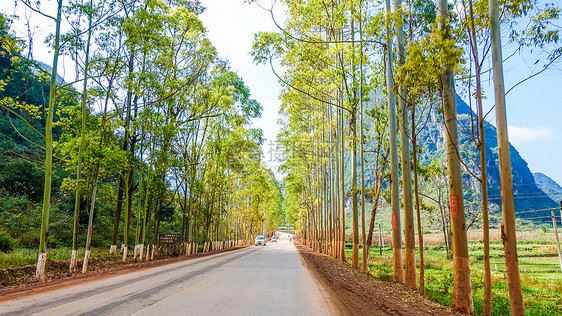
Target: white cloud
[[523, 135]]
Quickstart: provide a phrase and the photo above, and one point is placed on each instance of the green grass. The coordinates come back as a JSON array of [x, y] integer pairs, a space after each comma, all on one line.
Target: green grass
[[541, 276], [23, 257]]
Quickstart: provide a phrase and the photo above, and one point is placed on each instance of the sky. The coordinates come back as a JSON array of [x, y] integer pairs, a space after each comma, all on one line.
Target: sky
[[231, 25], [534, 112], [534, 108]]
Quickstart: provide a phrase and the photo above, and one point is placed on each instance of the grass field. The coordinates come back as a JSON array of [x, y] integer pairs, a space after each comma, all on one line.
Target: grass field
[[24, 257], [538, 260]]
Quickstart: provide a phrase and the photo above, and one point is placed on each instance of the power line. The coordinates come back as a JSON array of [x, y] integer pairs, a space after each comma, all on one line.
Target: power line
[[528, 194], [523, 197], [536, 217], [542, 210]]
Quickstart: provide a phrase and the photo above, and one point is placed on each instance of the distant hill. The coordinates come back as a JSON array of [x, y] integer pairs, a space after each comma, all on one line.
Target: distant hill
[[549, 186], [49, 70], [528, 196]]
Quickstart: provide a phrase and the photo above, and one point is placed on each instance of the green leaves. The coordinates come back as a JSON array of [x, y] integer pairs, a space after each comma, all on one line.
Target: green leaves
[[428, 58], [266, 46]]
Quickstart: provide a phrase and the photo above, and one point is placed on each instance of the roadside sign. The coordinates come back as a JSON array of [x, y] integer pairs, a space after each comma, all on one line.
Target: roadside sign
[[168, 239]]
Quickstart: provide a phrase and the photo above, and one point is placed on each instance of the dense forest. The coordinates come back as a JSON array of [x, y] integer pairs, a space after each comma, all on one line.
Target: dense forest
[[157, 139]]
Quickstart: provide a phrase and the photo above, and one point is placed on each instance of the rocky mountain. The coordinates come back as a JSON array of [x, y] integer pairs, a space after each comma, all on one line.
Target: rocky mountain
[[528, 196], [548, 186], [48, 69]]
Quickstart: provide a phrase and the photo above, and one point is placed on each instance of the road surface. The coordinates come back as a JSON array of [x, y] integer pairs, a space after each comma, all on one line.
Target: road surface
[[268, 280]]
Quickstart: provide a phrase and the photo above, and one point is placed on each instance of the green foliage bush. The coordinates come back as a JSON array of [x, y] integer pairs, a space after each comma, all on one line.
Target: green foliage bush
[[7, 243], [30, 239], [18, 257], [21, 177]]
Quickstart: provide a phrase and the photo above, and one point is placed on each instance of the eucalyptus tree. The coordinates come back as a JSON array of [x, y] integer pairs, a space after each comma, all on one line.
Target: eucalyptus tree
[[509, 238], [107, 64], [179, 60], [462, 288], [74, 257], [398, 274], [409, 254], [42, 257], [432, 58], [95, 14]]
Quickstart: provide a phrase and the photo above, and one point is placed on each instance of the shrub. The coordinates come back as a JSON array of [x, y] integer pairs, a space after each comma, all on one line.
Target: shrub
[[21, 177], [30, 239], [7, 243]]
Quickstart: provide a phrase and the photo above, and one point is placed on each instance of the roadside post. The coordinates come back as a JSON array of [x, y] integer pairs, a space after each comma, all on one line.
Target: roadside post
[[557, 240], [381, 239]]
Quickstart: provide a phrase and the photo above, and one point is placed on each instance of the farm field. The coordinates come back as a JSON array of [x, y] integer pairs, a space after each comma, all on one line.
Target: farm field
[[538, 262]]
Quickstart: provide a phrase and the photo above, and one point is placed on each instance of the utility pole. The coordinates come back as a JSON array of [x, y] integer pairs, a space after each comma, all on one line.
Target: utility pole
[[381, 239], [508, 209], [560, 210], [557, 240]]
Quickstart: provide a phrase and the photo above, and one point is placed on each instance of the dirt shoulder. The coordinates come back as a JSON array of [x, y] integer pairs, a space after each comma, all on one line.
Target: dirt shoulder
[[19, 282], [357, 294]]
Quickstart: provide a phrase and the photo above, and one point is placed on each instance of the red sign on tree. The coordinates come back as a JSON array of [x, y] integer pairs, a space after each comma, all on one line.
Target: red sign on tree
[[454, 206]]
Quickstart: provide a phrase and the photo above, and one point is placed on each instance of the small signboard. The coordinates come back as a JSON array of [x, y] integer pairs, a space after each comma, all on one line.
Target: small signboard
[[455, 212], [394, 221], [169, 239]]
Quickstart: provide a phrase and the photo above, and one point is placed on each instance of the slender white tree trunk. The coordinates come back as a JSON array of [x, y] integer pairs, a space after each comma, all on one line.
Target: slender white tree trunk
[[409, 239], [462, 287], [508, 226], [394, 198], [42, 257], [86, 260]]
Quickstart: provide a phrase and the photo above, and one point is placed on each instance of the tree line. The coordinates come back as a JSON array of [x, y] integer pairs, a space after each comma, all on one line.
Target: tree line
[[363, 78], [152, 136]]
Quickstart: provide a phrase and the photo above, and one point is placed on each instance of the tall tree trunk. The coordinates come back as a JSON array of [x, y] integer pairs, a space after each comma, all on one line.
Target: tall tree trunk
[[487, 303], [42, 257], [94, 188], [91, 219], [117, 215], [462, 288], [118, 209], [129, 195], [140, 206], [74, 256], [409, 254], [342, 189], [353, 129], [354, 209], [146, 209], [157, 216], [128, 204], [366, 246], [417, 200], [398, 275], [508, 226]]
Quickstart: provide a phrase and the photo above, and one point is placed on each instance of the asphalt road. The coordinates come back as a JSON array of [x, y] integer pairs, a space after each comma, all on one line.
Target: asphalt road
[[270, 280]]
